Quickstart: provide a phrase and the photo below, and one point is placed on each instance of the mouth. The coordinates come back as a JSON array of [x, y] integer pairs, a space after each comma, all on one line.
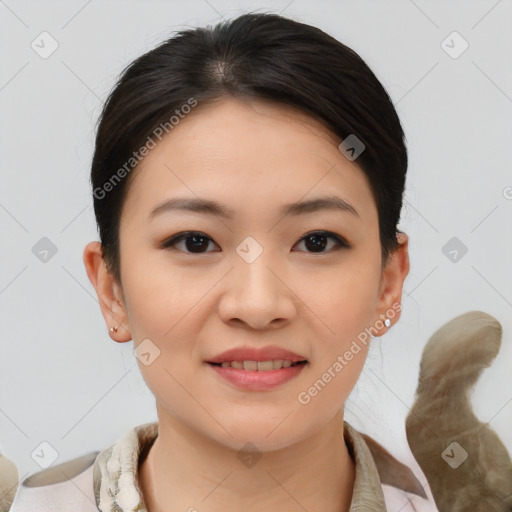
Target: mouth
[[267, 358], [258, 375], [260, 366]]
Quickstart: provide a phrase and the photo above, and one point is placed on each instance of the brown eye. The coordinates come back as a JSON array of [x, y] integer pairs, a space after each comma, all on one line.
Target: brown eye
[[317, 241], [195, 242]]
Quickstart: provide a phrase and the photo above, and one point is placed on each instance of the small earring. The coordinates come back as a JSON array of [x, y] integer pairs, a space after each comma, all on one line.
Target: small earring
[[387, 322], [113, 329]]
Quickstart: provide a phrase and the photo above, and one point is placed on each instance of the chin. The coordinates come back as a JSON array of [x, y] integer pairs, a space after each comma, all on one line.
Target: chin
[[263, 435]]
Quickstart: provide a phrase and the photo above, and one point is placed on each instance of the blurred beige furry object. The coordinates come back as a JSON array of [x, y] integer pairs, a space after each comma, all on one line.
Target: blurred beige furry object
[[466, 464], [8, 483]]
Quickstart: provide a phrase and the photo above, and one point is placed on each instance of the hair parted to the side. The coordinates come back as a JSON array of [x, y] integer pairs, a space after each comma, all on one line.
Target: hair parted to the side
[[256, 55]]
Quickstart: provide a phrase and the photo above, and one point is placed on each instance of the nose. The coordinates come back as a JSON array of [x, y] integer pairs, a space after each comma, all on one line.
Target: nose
[[256, 295]]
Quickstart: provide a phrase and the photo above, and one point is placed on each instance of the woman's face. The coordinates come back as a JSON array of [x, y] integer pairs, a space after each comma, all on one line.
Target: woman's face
[[252, 280]]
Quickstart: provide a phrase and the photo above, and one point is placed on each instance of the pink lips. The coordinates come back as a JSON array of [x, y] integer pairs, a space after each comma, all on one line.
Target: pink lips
[[256, 354], [258, 380]]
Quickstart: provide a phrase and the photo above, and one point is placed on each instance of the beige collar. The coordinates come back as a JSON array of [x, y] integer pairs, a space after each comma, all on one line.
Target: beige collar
[[117, 489]]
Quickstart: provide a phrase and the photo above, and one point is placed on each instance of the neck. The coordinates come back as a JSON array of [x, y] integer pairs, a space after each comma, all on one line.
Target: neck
[[184, 469]]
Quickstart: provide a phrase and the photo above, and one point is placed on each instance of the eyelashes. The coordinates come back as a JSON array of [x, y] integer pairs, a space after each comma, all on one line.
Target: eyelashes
[[195, 241], [197, 238], [339, 241]]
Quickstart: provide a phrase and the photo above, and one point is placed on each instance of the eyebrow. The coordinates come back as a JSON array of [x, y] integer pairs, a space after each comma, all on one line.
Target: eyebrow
[[212, 207]]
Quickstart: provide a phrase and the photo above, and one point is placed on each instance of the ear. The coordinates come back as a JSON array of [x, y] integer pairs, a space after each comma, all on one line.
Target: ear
[[109, 293], [392, 280]]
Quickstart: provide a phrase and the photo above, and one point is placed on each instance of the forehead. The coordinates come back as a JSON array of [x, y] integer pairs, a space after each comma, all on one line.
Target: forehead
[[241, 152]]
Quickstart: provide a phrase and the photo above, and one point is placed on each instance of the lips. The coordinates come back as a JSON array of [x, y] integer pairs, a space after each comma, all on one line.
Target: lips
[[256, 354]]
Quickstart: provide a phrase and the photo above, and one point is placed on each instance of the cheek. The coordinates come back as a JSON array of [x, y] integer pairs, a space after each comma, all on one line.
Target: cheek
[[166, 314], [346, 309], [157, 297], [353, 308], [338, 361], [346, 300]]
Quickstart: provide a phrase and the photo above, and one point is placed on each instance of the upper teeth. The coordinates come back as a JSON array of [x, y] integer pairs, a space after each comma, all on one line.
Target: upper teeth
[[275, 364]]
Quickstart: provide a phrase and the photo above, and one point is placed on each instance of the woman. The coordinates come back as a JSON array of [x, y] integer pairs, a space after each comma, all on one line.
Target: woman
[[247, 183]]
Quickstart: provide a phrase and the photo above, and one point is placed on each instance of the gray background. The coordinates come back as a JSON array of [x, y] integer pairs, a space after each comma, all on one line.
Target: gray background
[[63, 381]]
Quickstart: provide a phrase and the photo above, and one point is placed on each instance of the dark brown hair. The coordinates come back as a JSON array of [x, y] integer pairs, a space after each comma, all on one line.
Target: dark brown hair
[[256, 55]]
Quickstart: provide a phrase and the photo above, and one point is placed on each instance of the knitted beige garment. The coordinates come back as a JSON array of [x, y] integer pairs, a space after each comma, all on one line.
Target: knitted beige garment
[[8, 482]]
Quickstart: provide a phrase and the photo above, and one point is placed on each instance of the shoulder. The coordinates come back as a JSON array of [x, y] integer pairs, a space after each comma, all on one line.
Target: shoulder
[[65, 486], [401, 489], [84, 484]]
